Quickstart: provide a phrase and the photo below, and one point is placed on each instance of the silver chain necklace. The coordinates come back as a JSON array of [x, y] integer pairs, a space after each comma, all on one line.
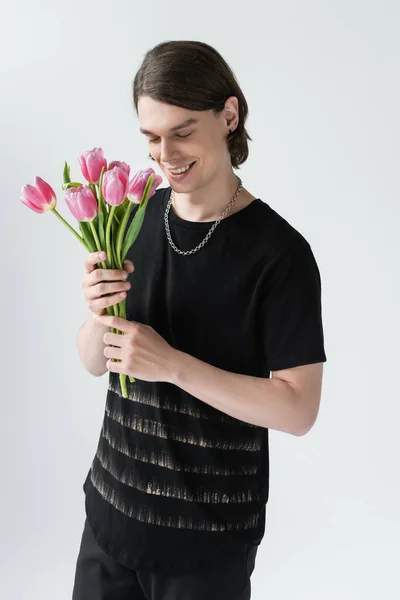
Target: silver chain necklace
[[172, 195]]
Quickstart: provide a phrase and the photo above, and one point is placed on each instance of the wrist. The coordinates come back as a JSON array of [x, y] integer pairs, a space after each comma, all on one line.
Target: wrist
[[176, 366]]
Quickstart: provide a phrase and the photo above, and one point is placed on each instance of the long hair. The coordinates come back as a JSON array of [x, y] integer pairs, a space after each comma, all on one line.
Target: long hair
[[193, 75]]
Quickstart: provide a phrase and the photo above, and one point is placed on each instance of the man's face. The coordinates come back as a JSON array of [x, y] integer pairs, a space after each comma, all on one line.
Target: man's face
[[202, 142]]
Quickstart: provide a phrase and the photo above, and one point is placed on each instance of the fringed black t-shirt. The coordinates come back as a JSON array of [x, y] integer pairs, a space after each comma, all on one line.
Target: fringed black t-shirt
[[176, 484]]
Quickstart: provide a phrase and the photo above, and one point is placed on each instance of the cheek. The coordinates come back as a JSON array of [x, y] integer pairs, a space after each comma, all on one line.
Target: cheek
[[211, 155], [153, 150], [213, 146]]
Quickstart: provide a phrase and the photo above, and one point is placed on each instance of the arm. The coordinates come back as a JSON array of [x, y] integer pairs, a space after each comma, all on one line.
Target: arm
[[90, 344], [287, 402]]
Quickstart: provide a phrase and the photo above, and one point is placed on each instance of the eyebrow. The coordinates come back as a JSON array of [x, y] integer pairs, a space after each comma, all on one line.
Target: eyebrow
[[175, 128]]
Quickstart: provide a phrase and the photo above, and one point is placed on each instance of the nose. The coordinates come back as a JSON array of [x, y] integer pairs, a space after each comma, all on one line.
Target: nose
[[166, 151]]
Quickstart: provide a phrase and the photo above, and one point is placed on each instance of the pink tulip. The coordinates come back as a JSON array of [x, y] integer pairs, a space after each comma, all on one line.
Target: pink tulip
[[39, 197], [91, 163], [115, 186], [138, 183], [156, 182], [82, 203], [122, 165]]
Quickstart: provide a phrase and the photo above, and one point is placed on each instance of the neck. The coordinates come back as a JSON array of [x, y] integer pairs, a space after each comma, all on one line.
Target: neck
[[208, 202]]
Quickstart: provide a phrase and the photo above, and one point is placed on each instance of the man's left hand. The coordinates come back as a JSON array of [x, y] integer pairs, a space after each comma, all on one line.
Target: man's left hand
[[142, 351]]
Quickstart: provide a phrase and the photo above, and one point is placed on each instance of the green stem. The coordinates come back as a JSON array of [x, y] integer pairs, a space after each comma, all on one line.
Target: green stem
[[121, 232], [108, 248], [93, 187], [70, 228], [110, 261], [96, 240], [108, 234], [122, 313], [122, 376], [121, 305]]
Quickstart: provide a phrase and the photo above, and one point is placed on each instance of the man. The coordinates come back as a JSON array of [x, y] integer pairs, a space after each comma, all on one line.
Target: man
[[224, 293]]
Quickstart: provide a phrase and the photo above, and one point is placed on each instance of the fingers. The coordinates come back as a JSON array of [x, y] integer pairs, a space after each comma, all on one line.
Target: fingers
[[98, 305], [104, 287], [128, 266], [92, 259]]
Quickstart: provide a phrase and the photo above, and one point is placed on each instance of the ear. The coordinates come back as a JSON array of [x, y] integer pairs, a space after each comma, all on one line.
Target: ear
[[231, 113]]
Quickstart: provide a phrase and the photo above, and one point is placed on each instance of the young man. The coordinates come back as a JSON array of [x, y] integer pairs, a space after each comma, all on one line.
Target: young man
[[224, 293]]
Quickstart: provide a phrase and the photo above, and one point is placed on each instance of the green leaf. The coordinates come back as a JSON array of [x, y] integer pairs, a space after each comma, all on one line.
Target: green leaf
[[120, 210], [66, 173], [102, 214], [137, 222], [87, 235], [70, 184], [133, 230], [114, 231]]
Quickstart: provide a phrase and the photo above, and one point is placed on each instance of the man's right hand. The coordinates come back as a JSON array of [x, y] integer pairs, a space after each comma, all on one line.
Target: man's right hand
[[104, 287]]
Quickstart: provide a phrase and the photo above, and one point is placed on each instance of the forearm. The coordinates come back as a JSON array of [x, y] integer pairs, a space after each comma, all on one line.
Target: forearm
[[90, 344], [270, 403]]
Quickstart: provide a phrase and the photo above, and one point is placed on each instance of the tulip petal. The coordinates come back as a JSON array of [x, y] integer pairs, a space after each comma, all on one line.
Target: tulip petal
[[137, 185], [122, 165], [70, 202], [87, 204], [82, 164], [157, 181], [95, 161], [31, 206], [82, 203], [115, 191], [45, 190], [33, 195]]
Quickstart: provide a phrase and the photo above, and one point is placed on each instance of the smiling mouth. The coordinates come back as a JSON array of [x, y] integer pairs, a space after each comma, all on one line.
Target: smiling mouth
[[183, 173], [181, 167]]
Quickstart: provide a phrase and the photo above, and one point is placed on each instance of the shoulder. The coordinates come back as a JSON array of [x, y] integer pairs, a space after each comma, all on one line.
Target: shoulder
[[280, 237], [286, 255]]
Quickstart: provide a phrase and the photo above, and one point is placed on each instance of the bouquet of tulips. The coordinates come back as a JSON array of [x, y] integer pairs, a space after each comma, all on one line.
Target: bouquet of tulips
[[102, 208]]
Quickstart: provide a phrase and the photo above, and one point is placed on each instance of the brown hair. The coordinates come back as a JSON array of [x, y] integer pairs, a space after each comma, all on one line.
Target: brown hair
[[193, 75]]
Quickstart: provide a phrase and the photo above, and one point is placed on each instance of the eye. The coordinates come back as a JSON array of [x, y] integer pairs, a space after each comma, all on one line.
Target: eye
[[181, 137]]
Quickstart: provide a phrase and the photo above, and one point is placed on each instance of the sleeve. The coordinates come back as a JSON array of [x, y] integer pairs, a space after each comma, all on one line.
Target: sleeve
[[291, 317]]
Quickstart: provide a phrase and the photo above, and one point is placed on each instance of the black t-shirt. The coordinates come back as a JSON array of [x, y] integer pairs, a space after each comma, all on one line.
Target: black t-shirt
[[176, 484]]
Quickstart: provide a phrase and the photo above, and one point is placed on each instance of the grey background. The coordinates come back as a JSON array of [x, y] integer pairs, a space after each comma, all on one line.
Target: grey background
[[322, 82]]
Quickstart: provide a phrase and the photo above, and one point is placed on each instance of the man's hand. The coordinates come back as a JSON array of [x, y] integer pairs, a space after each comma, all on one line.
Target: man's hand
[[143, 353]]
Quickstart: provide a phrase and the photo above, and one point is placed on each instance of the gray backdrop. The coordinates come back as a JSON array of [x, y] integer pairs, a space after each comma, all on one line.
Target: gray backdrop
[[322, 82]]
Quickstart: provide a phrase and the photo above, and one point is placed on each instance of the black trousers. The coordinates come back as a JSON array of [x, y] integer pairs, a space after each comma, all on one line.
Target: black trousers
[[100, 577]]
